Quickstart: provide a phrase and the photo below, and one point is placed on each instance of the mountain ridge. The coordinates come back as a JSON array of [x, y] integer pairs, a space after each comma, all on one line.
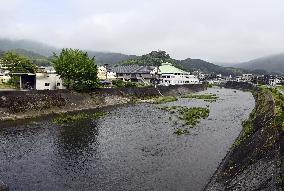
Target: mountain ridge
[[273, 63]]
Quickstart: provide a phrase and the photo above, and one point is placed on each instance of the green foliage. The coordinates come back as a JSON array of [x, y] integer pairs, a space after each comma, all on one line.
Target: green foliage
[[165, 99], [121, 83], [118, 83], [37, 59], [205, 97], [66, 118], [155, 58], [16, 63], [180, 131], [6, 86], [77, 70], [246, 133], [191, 115]]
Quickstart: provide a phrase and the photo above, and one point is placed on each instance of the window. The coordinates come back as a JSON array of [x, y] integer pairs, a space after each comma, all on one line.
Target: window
[[58, 84], [46, 84]]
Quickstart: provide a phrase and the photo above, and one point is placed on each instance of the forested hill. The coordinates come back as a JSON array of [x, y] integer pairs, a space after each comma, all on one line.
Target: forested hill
[[109, 58], [274, 63], [207, 67], [42, 52]]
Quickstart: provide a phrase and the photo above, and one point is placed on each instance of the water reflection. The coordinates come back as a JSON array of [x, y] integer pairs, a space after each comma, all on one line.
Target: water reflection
[[77, 139]]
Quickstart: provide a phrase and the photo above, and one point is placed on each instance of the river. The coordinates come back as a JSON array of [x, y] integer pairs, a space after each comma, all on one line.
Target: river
[[131, 148]]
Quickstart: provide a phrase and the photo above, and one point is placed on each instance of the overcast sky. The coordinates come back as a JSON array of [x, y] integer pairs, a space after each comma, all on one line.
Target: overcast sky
[[214, 30]]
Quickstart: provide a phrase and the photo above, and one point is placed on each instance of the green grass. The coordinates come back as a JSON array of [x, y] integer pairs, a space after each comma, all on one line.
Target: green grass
[[246, 133], [205, 97], [165, 99], [67, 118]]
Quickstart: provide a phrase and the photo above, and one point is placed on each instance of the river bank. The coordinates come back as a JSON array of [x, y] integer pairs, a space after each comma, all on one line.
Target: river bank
[[30, 104], [254, 160]]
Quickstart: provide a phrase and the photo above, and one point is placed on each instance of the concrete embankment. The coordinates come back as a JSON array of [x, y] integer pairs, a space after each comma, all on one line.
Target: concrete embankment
[[254, 161], [26, 104]]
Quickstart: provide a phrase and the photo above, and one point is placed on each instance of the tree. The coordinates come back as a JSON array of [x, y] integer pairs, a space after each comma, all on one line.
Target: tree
[[17, 64], [77, 70], [154, 58]]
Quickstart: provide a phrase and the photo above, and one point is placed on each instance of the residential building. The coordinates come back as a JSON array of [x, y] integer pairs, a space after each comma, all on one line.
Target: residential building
[[46, 79], [105, 74], [134, 73], [171, 75], [247, 77], [4, 75]]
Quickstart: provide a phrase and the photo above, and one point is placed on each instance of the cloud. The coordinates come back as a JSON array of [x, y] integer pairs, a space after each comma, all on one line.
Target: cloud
[[219, 30]]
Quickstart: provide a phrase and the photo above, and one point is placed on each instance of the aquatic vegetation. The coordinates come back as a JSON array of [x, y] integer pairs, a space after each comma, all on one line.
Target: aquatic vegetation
[[165, 99], [180, 131], [191, 115], [68, 118], [205, 97]]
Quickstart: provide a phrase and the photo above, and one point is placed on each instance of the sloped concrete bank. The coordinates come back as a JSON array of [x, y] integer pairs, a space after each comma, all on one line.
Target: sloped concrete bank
[[254, 160], [27, 104]]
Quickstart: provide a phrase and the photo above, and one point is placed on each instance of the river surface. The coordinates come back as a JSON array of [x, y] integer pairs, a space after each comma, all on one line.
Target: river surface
[[131, 148]]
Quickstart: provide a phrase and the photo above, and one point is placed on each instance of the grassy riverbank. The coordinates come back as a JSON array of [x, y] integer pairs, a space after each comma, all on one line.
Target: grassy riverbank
[[256, 148]]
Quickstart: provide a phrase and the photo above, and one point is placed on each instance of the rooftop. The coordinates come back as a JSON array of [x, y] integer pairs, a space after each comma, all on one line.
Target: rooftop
[[133, 69], [168, 68]]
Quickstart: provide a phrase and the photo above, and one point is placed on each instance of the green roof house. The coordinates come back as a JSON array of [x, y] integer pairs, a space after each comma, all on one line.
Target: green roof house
[[171, 75]]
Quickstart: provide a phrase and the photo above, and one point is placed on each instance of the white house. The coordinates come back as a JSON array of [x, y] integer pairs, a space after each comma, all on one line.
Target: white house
[[48, 79], [171, 75], [104, 74], [247, 77]]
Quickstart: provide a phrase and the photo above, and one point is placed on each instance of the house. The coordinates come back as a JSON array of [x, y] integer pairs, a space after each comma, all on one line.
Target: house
[[46, 79], [247, 77], [105, 74], [135, 73], [4, 75], [171, 75]]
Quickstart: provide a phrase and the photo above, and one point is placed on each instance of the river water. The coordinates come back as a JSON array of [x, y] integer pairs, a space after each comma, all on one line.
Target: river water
[[131, 148]]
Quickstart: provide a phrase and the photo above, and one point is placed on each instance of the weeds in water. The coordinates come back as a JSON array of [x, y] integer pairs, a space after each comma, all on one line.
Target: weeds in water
[[181, 132], [67, 118], [205, 97], [192, 115], [165, 99]]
